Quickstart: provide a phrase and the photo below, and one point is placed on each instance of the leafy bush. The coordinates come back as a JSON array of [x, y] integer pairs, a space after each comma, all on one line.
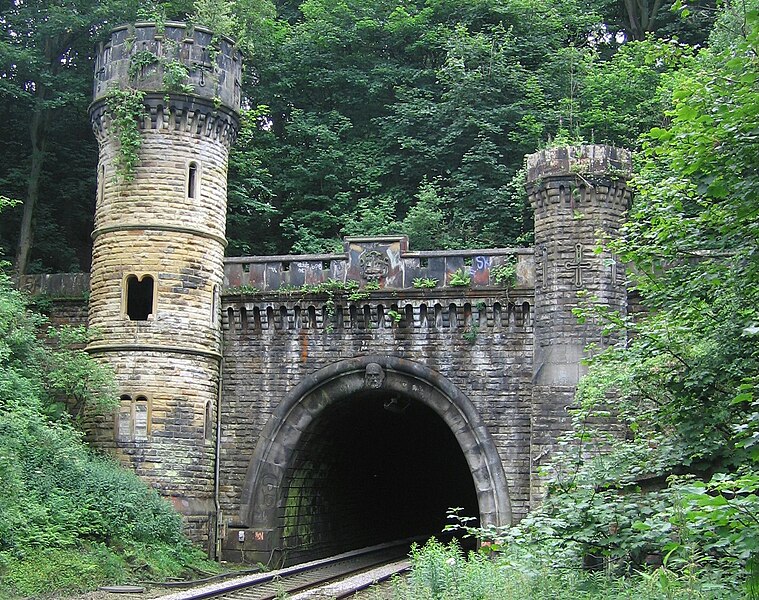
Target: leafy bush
[[505, 274], [444, 572], [425, 283], [68, 519], [661, 468], [460, 278]]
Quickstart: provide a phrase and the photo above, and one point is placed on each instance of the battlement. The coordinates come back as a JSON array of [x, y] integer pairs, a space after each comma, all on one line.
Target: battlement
[[175, 58], [585, 160], [385, 263]]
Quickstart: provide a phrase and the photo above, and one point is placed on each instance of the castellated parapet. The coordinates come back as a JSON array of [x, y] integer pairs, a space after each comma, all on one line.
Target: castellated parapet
[[158, 254], [580, 197], [191, 78]]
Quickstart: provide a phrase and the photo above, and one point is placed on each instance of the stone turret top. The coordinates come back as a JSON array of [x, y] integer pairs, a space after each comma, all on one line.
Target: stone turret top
[[174, 58], [590, 159]]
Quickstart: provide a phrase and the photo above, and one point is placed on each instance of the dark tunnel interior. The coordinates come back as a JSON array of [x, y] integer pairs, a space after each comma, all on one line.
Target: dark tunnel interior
[[371, 468]]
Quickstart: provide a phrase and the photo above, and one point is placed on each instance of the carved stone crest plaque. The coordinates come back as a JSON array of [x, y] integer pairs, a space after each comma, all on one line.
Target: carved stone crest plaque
[[373, 265]]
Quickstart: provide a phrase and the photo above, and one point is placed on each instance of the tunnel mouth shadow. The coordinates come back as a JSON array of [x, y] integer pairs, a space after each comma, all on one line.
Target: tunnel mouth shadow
[[346, 462], [371, 468]]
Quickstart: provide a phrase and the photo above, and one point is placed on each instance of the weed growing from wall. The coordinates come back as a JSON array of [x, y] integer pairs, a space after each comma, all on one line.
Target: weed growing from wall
[[460, 278], [470, 335], [424, 283], [506, 274], [175, 77]]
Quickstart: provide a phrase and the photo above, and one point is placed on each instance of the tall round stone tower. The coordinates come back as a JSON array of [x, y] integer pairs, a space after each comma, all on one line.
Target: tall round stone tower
[[157, 264], [580, 197]]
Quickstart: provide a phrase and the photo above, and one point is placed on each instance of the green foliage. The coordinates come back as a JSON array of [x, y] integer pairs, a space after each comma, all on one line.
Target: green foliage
[[68, 518], [620, 98], [365, 118], [54, 569], [506, 274], [460, 278], [242, 290], [394, 316], [662, 463], [74, 378], [175, 77], [140, 61], [333, 289], [175, 73], [405, 120], [470, 335], [125, 108], [427, 283], [425, 222], [251, 213], [45, 87], [443, 571]]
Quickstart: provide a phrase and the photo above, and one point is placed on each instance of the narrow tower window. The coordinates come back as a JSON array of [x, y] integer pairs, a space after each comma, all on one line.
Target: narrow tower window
[[101, 183], [124, 419], [133, 419], [141, 418], [192, 180], [215, 306], [208, 421], [140, 294]]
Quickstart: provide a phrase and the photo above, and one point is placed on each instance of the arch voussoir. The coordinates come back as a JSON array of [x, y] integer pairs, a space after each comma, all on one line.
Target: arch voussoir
[[304, 403]]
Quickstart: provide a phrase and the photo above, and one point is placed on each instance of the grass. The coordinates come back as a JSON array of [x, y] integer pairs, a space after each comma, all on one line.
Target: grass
[[442, 572], [49, 572]]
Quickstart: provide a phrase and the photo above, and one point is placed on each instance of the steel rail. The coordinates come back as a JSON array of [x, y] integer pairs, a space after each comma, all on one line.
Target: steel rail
[[296, 579]]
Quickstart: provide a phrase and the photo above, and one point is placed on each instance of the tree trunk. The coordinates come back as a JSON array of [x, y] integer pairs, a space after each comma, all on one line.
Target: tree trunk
[[641, 17], [38, 132]]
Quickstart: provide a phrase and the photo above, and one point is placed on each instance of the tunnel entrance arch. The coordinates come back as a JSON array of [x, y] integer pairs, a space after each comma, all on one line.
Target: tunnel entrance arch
[[334, 402]]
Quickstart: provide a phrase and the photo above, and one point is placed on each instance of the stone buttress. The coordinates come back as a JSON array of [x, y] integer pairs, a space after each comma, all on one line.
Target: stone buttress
[[158, 255], [580, 197]]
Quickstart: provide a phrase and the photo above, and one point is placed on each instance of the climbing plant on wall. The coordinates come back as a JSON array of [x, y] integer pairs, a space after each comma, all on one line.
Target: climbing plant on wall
[[125, 108]]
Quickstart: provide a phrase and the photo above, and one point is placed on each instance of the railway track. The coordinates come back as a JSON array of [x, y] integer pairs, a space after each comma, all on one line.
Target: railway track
[[337, 577]]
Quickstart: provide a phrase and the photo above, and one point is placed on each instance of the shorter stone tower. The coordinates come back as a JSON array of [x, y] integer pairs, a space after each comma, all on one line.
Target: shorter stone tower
[[158, 252], [580, 197]]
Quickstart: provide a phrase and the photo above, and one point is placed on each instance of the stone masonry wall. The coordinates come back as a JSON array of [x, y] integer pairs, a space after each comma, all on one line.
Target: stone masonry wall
[[177, 454], [62, 297], [515, 351], [580, 196], [272, 342], [157, 265]]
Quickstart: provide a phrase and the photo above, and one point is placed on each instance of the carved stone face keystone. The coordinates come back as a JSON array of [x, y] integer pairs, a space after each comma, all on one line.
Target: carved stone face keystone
[[374, 377]]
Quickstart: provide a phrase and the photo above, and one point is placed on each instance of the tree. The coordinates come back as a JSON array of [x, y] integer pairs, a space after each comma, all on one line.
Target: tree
[[370, 101], [46, 59], [685, 377], [641, 16]]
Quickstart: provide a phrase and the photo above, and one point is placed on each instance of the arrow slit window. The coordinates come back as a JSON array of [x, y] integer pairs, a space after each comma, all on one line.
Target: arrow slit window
[[192, 180]]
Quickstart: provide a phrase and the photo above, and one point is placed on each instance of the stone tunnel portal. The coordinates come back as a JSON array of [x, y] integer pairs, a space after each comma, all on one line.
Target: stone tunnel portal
[[365, 451]]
